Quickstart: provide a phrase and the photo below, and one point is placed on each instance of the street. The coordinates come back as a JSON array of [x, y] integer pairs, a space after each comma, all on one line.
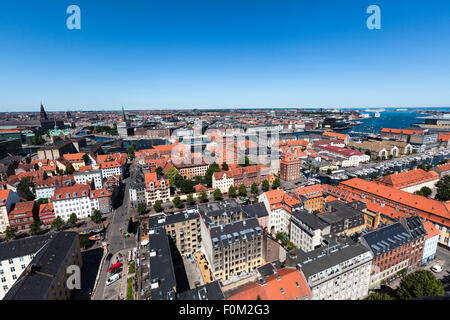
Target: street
[[115, 242]]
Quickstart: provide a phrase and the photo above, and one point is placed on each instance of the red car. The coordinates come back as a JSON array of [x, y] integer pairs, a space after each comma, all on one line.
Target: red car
[[115, 266]]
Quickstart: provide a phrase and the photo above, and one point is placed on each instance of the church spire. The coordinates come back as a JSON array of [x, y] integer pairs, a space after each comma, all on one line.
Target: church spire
[[43, 113], [123, 114]]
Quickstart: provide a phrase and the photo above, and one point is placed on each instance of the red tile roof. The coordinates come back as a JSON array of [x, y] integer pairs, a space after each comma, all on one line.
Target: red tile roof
[[408, 178]]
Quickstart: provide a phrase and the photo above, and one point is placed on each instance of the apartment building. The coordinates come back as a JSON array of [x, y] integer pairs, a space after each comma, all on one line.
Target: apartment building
[[233, 249], [403, 203], [311, 197], [417, 230], [223, 212], [87, 176], [75, 159], [45, 277], [46, 213], [390, 246], [307, 230], [157, 188], [8, 199], [290, 167], [338, 271], [239, 176], [23, 214], [344, 218], [399, 134], [137, 188], [72, 199], [189, 171], [184, 229], [431, 242], [45, 188], [280, 206]]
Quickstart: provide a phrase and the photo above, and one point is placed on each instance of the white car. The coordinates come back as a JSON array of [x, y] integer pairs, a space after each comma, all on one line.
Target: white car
[[113, 279], [436, 268]]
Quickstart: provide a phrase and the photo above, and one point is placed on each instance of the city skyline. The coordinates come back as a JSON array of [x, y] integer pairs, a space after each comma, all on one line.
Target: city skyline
[[230, 55]]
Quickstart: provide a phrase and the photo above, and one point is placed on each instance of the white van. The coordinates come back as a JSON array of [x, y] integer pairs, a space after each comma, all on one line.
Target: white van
[[113, 279]]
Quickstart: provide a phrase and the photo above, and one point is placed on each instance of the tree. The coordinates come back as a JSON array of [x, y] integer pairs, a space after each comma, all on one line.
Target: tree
[[178, 180], [203, 197], [329, 171], [72, 219], [25, 188], [225, 167], [246, 162], [443, 189], [69, 169], [265, 185], [213, 167], [35, 227], [242, 190], [187, 186], [96, 216], [38, 140], [425, 192], [159, 171], [58, 222], [141, 207], [171, 174], [86, 159], [374, 176], [422, 283], [254, 188], [276, 183], [190, 200], [131, 149], [157, 206], [378, 296], [41, 201], [83, 242], [10, 232], [217, 194], [231, 191], [177, 202]]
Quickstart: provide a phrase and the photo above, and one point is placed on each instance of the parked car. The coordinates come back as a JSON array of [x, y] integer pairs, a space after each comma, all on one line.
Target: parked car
[[116, 271], [436, 268], [115, 266], [113, 279]]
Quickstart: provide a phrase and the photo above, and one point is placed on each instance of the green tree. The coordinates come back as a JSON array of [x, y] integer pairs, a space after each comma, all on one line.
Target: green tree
[[10, 232], [443, 189], [58, 222], [426, 192], [25, 189], [329, 171], [72, 219], [157, 206], [242, 190], [265, 185], [141, 207], [231, 191], [41, 201], [203, 197], [217, 194], [86, 159], [213, 167], [159, 171], [178, 180], [131, 150], [83, 242], [374, 176], [418, 284], [69, 169], [132, 267], [35, 227], [96, 216], [254, 188], [171, 175], [276, 183], [177, 202], [225, 167], [246, 162], [378, 296], [190, 200], [187, 186]]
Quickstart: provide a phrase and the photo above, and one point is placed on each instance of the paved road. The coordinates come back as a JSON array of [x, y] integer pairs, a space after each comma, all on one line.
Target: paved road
[[116, 242]]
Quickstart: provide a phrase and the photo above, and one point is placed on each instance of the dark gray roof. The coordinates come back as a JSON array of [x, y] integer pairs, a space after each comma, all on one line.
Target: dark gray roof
[[340, 211], [228, 207], [210, 291], [161, 267], [174, 218], [339, 250], [309, 219], [256, 210], [22, 247], [416, 227], [387, 238], [48, 261], [266, 270], [244, 230]]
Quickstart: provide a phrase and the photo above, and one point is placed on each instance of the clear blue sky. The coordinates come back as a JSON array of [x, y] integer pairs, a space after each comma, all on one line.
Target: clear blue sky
[[157, 54]]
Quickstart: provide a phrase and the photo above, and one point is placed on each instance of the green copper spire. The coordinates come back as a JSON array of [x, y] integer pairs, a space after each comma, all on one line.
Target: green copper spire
[[123, 114]]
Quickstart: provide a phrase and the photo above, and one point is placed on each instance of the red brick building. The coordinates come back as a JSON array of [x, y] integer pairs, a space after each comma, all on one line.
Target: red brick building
[[46, 213], [290, 167], [23, 214]]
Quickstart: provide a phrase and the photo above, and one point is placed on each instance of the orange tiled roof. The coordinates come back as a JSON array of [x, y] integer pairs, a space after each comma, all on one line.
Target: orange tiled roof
[[74, 157], [444, 167], [340, 136], [4, 194], [279, 199], [431, 229], [310, 192], [408, 178], [285, 284], [45, 207], [401, 131], [71, 192]]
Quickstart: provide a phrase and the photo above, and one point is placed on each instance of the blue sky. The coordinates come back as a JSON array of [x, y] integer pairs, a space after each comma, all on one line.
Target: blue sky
[[168, 54]]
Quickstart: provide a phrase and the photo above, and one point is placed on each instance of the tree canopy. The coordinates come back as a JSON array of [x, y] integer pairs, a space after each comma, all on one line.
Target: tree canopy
[[422, 283], [218, 194], [231, 191]]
